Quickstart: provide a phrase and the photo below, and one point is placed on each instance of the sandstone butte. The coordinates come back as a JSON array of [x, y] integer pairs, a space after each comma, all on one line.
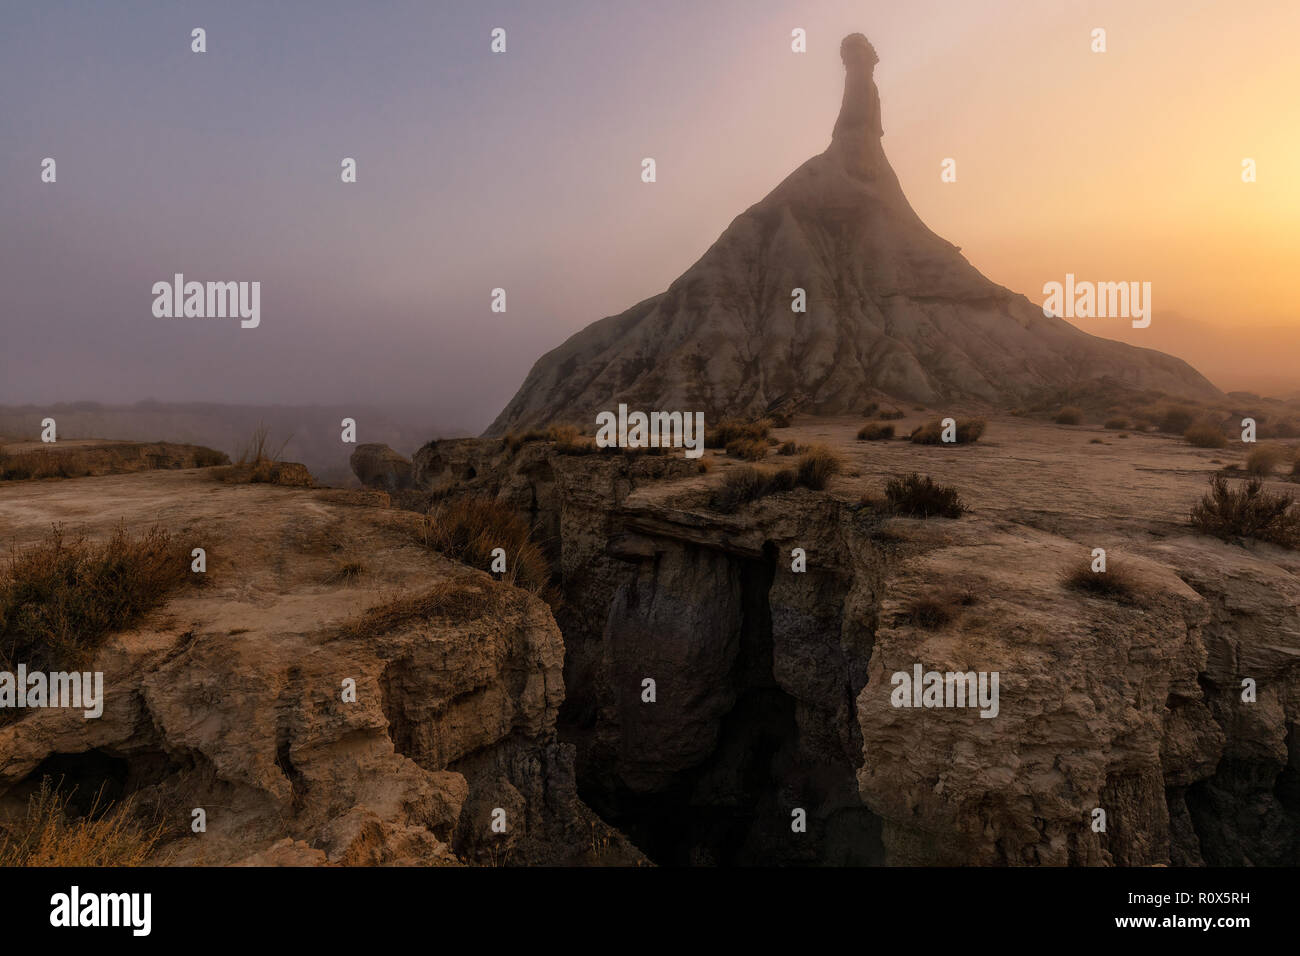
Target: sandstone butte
[[893, 310]]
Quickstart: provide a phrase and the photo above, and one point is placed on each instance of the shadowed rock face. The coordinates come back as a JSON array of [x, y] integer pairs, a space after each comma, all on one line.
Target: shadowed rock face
[[891, 309]]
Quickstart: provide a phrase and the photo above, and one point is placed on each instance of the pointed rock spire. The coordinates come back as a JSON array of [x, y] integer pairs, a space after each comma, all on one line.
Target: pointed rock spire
[[856, 139], [893, 311]]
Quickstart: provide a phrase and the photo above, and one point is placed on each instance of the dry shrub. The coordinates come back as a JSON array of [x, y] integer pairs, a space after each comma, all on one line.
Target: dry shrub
[[725, 432], [1117, 582], [750, 449], [61, 598], [739, 485], [469, 527], [1265, 458], [935, 611], [1205, 435], [747, 483], [891, 414], [1176, 419], [1247, 511], [791, 448], [875, 431], [49, 835], [921, 497], [968, 430], [778, 419], [1069, 415], [1116, 424], [816, 466]]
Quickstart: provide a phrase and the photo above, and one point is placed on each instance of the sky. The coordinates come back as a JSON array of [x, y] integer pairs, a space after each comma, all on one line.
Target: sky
[[522, 170]]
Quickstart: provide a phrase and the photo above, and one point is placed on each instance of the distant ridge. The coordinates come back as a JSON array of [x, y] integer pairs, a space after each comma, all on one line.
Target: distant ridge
[[892, 310]]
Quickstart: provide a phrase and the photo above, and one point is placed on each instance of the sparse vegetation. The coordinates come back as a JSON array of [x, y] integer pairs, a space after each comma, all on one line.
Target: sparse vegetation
[[892, 414], [789, 448], [260, 463], [61, 598], [464, 598], [1116, 424], [50, 835], [347, 571], [875, 431], [470, 527], [1176, 419], [921, 497], [778, 419], [1247, 511], [1205, 435], [1264, 459], [816, 466], [750, 449], [1069, 415], [108, 458], [967, 430], [1117, 582], [728, 431], [932, 612], [747, 483]]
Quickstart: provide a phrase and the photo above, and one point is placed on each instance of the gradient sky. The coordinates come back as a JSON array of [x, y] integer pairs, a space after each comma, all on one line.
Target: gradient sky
[[522, 171]]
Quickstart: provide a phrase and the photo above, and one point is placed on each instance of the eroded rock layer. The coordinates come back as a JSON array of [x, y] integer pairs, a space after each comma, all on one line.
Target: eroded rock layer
[[892, 309]]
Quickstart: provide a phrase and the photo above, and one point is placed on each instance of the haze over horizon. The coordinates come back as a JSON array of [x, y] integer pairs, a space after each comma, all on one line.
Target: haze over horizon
[[522, 171]]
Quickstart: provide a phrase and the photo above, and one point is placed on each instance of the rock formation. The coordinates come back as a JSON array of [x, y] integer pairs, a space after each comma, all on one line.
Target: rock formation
[[379, 467], [230, 697], [774, 686], [892, 309]]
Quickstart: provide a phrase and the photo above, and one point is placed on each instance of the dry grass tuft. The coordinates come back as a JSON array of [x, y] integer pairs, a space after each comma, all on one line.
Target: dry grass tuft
[[875, 431], [816, 466], [1205, 435], [1176, 419], [1264, 459], [1069, 415], [1117, 582], [933, 612], [59, 599], [728, 431], [750, 449], [48, 835], [470, 527], [967, 430]]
